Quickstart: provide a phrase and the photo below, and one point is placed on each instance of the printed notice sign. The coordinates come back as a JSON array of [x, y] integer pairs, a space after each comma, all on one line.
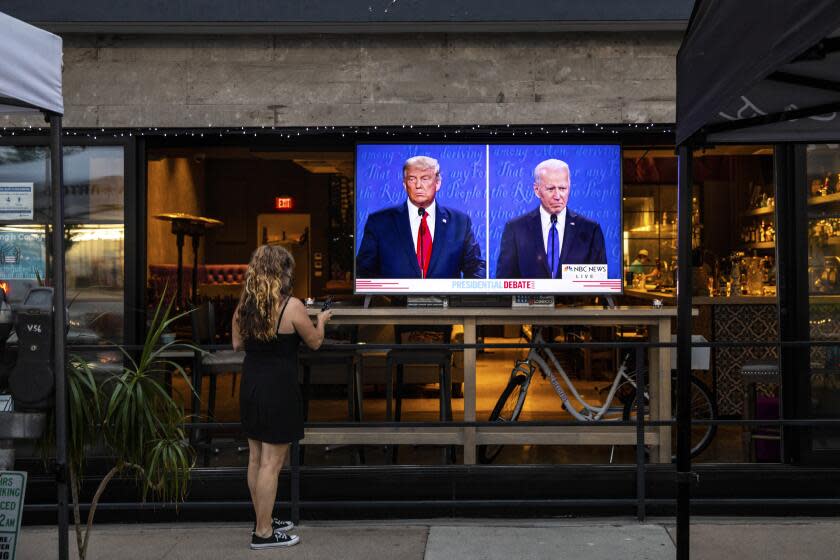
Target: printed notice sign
[[12, 489], [16, 201]]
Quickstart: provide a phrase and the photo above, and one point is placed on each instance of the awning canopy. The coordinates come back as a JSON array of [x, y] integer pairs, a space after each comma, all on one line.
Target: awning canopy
[[30, 68], [760, 71]]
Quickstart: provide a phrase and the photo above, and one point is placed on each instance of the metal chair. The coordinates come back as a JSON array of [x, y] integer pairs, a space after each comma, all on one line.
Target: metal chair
[[346, 359], [210, 364], [398, 358]]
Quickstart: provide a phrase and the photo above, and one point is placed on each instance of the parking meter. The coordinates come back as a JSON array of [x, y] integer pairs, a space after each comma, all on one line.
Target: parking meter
[[32, 381], [6, 319]]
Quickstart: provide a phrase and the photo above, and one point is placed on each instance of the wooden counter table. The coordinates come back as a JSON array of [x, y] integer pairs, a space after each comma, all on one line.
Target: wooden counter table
[[658, 322]]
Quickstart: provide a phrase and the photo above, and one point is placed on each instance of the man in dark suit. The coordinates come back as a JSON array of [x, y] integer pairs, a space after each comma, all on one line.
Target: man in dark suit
[[537, 244], [419, 239]]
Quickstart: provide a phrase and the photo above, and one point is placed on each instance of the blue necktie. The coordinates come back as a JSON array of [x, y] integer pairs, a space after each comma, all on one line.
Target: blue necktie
[[553, 249]]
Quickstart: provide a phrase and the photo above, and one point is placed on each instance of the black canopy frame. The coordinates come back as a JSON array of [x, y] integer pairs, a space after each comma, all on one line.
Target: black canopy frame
[[751, 71]]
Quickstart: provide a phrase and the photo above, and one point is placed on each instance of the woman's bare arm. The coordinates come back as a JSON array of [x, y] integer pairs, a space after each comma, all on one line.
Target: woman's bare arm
[[312, 335], [237, 336]]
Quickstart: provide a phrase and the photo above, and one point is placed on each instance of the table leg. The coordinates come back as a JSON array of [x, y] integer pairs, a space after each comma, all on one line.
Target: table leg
[[660, 388], [179, 240], [196, 243], [196, 397], [469, 390]]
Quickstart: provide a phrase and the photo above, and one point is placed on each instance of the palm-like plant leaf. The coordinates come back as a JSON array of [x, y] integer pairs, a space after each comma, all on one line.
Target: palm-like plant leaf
[[84, 413], [138, 418]]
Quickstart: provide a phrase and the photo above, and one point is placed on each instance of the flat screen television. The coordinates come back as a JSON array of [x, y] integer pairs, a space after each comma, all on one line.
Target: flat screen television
[[438, 219]]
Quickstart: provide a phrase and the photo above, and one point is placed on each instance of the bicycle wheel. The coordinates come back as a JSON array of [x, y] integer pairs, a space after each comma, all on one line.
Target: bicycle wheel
[[702, 408], [507, 409]]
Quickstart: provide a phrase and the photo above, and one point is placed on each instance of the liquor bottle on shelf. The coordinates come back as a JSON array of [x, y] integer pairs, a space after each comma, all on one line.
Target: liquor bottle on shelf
[[815, 187]]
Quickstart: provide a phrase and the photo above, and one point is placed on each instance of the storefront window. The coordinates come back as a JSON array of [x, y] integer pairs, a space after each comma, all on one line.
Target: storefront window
[[95, 240], [823, 182], [94, 233], [650, 218], [733, 258]]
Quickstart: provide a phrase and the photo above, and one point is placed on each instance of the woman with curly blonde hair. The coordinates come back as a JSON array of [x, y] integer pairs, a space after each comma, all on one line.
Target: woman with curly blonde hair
[[269, 324]]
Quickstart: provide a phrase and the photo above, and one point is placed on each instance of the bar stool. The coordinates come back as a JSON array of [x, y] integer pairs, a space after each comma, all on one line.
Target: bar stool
[[210, 364], [350, 361], [398, 358], [752, 373], [346, 359]]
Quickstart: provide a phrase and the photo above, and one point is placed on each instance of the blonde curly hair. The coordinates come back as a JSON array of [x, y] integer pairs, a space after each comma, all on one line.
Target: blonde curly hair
[[267, 282]]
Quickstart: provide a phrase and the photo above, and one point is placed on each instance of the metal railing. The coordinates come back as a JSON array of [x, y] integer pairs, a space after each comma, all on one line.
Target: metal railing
[[640, 502]]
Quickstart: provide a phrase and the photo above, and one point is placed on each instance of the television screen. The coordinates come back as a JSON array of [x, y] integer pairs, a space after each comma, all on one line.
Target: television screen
[[488, 219]]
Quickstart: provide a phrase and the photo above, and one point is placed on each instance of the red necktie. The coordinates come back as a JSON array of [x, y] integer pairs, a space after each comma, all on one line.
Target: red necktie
[[424, 245]]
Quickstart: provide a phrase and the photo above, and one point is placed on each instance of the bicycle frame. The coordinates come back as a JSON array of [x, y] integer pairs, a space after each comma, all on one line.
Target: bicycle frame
[[587, 412]]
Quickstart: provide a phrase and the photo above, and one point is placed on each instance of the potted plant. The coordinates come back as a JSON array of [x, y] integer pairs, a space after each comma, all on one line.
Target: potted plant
[[133, 415]]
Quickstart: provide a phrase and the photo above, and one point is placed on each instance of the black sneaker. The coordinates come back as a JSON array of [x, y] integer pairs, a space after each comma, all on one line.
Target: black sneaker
[[276, 539], [278, 525]]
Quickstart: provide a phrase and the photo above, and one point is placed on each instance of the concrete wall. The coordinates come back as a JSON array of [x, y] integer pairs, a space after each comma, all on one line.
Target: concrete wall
[[197, 81], [176, 184]]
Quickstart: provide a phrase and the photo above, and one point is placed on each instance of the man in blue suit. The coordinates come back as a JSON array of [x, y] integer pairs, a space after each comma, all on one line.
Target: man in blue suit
[[537, 244], [419, 239]]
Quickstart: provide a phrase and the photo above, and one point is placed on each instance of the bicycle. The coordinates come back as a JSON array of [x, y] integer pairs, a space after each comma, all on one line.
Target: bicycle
[[623, 388]]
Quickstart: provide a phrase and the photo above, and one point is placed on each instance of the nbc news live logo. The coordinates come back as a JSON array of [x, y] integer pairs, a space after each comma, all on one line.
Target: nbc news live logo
[[585, 271]]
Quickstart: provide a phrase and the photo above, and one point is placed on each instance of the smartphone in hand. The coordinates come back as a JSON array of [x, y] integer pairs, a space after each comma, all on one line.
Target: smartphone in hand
[[327, 303]]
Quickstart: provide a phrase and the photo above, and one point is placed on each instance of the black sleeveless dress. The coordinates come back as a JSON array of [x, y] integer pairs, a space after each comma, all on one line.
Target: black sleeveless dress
[[270, 403]]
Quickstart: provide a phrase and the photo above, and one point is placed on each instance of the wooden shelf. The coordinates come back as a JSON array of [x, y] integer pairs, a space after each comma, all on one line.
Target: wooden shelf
[[827, 199], [650, 237], [760, 211], [762, 245], [830, 241]]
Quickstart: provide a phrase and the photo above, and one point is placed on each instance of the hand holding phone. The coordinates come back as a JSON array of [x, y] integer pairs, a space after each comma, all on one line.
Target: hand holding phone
[[325, 314]]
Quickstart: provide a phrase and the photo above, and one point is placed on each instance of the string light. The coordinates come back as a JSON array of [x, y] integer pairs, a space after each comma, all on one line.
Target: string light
[[401, 131]]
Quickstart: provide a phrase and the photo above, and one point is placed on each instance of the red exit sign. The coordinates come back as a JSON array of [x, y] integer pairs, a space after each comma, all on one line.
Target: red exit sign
[[284, 203]]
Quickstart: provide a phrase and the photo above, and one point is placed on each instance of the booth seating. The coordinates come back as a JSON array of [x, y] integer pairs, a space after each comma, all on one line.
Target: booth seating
[[211, 277], [753, 373]]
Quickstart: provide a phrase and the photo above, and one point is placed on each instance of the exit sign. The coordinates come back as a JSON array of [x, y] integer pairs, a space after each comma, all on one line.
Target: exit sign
[[284, 203]]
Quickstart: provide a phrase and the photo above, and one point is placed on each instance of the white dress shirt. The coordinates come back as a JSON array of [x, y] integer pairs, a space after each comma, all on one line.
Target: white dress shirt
[[416, 219], [545, 218]]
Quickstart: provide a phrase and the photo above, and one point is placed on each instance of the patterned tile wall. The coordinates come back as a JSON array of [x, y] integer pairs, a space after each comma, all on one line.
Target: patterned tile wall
[[741, 323]]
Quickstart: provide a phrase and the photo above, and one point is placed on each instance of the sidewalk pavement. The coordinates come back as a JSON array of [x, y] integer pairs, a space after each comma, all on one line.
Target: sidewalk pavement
[[461, 539]]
